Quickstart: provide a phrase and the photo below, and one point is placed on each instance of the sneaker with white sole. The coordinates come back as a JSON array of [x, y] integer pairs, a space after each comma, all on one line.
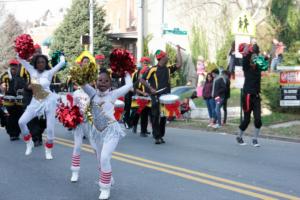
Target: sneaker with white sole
[[29, 147], [216, 126], [255, 143], [75, 176], [104, 193], [48, 153], [240, 141]]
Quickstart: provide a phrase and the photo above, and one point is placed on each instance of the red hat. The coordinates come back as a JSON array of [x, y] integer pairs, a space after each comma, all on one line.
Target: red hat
[[13, 62], [160, 54], [99, 57], [145, 59], [37, 46]]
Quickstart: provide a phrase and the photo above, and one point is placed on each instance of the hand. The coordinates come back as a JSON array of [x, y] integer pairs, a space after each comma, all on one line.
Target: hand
[[62, 59], [29, 87], [178, 47], [146, 94], [152, 91]]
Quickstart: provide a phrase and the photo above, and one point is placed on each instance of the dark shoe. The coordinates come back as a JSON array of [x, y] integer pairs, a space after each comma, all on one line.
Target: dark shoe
[[134, 129], [14, 138], [84, 137], [143, 135], [147, 132], [240, 141], [157, 141], [255, 143], [162, 141]]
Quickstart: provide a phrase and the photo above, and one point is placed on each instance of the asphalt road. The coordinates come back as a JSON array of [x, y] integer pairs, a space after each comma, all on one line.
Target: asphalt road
[[192, 165]]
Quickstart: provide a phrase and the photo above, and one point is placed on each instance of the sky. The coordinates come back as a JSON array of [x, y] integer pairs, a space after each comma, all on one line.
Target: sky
[[33, 9]]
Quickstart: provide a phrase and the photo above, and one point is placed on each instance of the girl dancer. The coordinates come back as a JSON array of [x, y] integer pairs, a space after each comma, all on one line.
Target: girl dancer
[[43, 101], [107, 132], [82, 100]]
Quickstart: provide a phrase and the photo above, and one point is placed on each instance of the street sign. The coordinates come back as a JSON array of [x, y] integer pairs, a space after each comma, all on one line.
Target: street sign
[[175, 31], [243, 25]]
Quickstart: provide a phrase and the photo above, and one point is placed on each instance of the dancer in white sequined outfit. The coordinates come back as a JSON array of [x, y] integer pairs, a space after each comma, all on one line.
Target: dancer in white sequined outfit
[[108, 131], [43, 101]]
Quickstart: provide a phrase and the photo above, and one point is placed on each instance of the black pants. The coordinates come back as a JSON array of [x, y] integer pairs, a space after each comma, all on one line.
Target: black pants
[[225, 110], [12, 126], [37, 127], [251, 103], [144, 118], [158, 122], [127, 107]]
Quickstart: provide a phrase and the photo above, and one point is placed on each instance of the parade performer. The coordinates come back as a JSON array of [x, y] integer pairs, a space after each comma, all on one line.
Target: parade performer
[[82, 100], [142, 111], [107, 131], [13, 83], [252, 68], [43, 101], [157, 80], [37, 125]]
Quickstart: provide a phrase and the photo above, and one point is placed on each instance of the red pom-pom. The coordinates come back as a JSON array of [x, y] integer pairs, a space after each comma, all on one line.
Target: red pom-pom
[[24, 46], [122, 61], [70, 117]]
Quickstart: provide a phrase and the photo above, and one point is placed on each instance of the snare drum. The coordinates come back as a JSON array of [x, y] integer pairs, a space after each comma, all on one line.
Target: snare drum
[[119, 109], [170, 105], [19, 100], [135, 104], [9, 100]]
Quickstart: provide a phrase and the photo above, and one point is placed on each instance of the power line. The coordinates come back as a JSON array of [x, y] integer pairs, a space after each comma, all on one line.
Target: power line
[[13, 1]]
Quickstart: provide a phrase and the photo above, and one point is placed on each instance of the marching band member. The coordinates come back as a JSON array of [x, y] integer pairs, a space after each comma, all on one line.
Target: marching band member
[[43, 101], [157, 80], [140, 91], [107, 132], [13, 82]]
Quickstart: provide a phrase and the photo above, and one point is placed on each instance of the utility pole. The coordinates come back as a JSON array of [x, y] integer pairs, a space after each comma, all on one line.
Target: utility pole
[[140, 29], [91, 9]]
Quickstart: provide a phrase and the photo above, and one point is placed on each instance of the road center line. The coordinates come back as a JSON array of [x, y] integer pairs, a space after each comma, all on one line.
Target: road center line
[[190, 172]]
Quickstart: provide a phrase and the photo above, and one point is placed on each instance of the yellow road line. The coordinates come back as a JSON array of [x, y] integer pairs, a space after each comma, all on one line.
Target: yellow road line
[[182, 175], [215, 178]]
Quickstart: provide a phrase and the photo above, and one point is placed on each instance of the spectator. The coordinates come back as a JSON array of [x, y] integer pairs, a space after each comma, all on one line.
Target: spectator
[[207, 96], [218, 93]]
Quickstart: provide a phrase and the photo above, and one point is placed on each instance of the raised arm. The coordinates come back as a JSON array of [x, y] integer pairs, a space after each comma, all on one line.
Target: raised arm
[[89, 90], [27, 65], [124, 89], [58, 66]]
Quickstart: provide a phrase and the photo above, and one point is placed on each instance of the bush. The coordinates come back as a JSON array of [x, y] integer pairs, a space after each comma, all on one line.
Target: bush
[[270, 89]]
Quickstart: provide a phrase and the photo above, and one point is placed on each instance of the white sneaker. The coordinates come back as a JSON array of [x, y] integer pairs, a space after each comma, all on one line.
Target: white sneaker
[[216, 126], [75, 176], [104, 193], [29, 147], [48, 153]]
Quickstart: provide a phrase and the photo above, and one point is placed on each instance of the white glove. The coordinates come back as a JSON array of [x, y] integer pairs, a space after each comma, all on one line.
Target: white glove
[[62, 59]]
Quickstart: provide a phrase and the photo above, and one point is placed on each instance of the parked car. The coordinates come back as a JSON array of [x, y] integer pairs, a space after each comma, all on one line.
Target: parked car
[[184, 91]]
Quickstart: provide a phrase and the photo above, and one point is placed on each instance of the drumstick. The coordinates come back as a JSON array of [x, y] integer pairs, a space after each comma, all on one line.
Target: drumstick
[[158, 91], [171, 43]]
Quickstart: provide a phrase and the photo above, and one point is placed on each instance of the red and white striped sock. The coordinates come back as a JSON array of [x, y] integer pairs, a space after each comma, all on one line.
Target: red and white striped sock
[[76, 160], [105, 177]]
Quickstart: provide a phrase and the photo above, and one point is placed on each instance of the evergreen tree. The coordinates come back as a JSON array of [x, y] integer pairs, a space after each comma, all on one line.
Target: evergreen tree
[[75, 24], [9, 30]]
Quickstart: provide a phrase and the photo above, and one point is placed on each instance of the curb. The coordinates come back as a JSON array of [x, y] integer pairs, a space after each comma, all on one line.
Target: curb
[[265, 136]]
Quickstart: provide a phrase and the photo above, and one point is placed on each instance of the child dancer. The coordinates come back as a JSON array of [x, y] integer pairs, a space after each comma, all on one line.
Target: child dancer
[[43, 101], [107, 132]]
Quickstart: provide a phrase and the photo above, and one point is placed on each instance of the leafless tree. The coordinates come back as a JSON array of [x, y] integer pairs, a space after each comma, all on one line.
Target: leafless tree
[[9, 30]]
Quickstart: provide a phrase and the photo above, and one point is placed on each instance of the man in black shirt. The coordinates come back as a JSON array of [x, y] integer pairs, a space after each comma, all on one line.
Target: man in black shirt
[[251, 96], [157, 80]]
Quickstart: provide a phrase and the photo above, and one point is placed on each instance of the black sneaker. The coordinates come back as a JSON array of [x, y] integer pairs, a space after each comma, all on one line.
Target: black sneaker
[[143, 135], [162, 141], [157, 141], [14, 138], [134, 129], [255, 143], [240, 141]]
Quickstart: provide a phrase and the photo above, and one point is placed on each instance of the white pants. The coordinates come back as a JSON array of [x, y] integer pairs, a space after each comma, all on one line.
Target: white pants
[[104, 152], [30, 113]]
